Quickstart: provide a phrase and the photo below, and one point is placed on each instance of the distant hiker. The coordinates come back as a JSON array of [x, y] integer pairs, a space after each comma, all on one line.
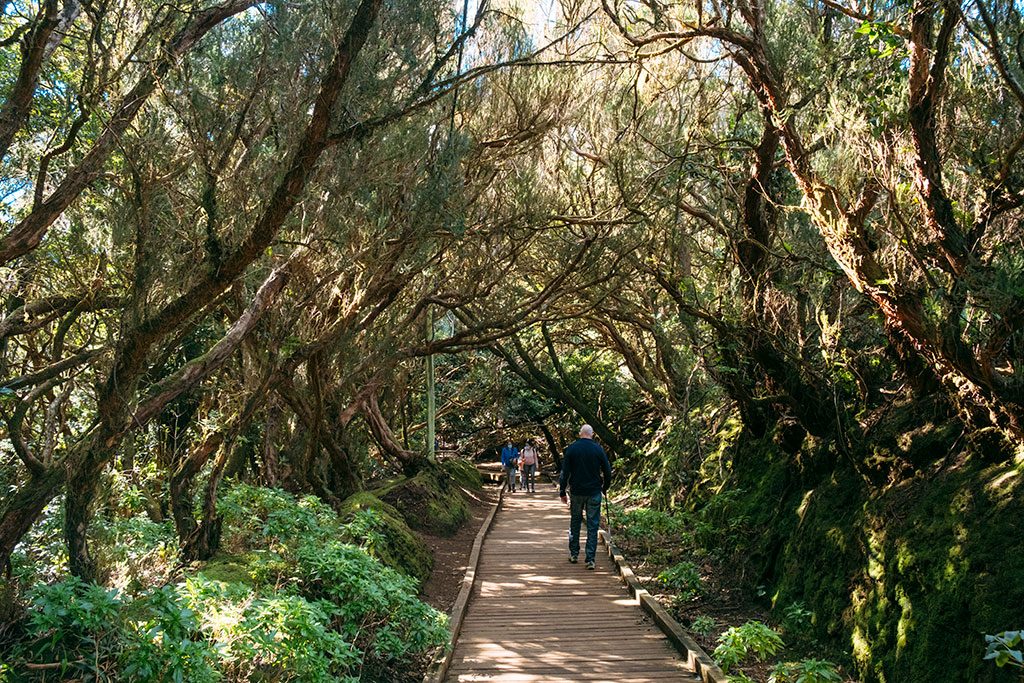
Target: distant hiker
[[585, 470], [509, 457], [529, 461]]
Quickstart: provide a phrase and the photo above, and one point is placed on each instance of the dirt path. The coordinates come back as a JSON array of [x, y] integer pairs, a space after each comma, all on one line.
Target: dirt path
[[451, 554]]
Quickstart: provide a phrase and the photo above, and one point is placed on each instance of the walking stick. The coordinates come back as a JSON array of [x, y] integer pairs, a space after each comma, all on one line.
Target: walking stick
[[608, 519]]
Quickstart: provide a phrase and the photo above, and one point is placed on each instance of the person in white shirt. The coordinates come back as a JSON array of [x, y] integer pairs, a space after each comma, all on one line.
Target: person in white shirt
[[528, 470]]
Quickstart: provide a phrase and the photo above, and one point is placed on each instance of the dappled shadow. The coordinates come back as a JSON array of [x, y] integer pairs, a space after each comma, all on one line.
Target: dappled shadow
[[536, 617]]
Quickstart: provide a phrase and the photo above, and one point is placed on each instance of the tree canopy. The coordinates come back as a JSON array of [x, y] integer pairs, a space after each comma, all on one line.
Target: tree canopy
[[233, 231]]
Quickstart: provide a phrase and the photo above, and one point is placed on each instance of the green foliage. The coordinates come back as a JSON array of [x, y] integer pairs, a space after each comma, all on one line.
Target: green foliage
[[312, 608], [735, 644], [882, 32], [89, 630], [703, 625], [260, 515], [806, 671], [650, 529], [364, 592], [739, 678], [684, 577], [272, 636], [642, 522], [168, 644], [1005, 648], [796, 617]]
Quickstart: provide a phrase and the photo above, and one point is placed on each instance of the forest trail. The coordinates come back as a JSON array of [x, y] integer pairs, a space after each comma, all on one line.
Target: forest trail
[[533, 616]]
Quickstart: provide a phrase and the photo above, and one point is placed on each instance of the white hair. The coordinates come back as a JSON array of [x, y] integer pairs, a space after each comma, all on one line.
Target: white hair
[[586, 431]]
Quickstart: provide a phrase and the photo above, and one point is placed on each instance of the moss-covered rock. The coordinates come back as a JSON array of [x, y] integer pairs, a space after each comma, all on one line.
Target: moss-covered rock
[[430, 501], [398, 547], [463, 472]]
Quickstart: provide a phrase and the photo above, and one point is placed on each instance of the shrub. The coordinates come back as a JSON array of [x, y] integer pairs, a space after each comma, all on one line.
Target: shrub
[[257, 516], [740, 678], [365, 592], [383, 533], [311, 608], [736, 643], [271, 637], [684, 577], [90, 631], [1005, 649], [645, 522], [796, 617], [165, 643], [703, 625], [807, 671]]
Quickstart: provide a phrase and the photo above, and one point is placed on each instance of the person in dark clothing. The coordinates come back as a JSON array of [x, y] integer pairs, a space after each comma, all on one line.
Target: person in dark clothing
[[509, 458], [587, 474]]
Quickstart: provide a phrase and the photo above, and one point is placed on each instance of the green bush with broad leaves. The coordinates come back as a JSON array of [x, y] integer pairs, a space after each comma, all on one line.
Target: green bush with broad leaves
[[703, 625], [88, 632], [684, 577], [301, 605], [796, 617], [806, 671], [642, 524], [368, 593], [736, 644], [1005, 648], [267, 636], [257, 515]]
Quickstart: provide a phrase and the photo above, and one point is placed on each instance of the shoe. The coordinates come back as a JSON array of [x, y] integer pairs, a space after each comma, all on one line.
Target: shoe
[[572, 559], [590, 565]]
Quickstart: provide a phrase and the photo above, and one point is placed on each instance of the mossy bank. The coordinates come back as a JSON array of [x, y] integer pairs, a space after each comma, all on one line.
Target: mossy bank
[[907, 550]]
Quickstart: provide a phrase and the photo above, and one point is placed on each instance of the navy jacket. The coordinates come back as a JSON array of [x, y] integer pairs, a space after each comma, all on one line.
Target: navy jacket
[[508, 454], [585, 469]]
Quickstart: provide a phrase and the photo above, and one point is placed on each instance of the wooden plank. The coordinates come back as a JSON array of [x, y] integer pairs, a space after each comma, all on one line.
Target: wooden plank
[[533, 616]]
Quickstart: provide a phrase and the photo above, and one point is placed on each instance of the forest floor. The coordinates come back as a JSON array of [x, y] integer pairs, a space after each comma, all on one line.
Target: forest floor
[[451, 553]]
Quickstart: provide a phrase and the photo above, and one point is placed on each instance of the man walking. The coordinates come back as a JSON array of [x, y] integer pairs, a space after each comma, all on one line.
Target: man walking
[[586, 472], [509, 456]]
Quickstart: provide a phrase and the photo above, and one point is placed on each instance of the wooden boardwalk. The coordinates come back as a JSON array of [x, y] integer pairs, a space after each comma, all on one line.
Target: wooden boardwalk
[[533, 616]]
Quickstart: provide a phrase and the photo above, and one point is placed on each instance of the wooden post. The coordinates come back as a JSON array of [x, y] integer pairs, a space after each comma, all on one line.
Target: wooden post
[[431, 398]]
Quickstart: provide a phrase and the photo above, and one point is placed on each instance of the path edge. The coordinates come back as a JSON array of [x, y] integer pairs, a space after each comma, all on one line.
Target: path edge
[[438, 667], [687, 646]]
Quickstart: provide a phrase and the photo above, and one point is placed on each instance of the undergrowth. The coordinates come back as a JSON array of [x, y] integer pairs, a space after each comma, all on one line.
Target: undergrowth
[[300, 597]]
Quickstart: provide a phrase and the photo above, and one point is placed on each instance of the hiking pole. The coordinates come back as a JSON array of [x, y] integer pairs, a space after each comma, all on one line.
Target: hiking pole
[[608, 520]]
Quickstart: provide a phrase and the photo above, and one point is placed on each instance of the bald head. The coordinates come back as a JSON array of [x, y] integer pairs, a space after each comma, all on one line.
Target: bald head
[[586, 432]]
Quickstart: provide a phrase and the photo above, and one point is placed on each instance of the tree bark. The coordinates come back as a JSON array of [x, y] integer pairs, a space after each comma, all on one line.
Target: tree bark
[[551, 388], [38, 45], [29, 232]]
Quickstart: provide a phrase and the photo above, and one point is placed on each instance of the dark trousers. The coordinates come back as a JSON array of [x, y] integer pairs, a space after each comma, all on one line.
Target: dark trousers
[[577, 505], [529, 472]]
